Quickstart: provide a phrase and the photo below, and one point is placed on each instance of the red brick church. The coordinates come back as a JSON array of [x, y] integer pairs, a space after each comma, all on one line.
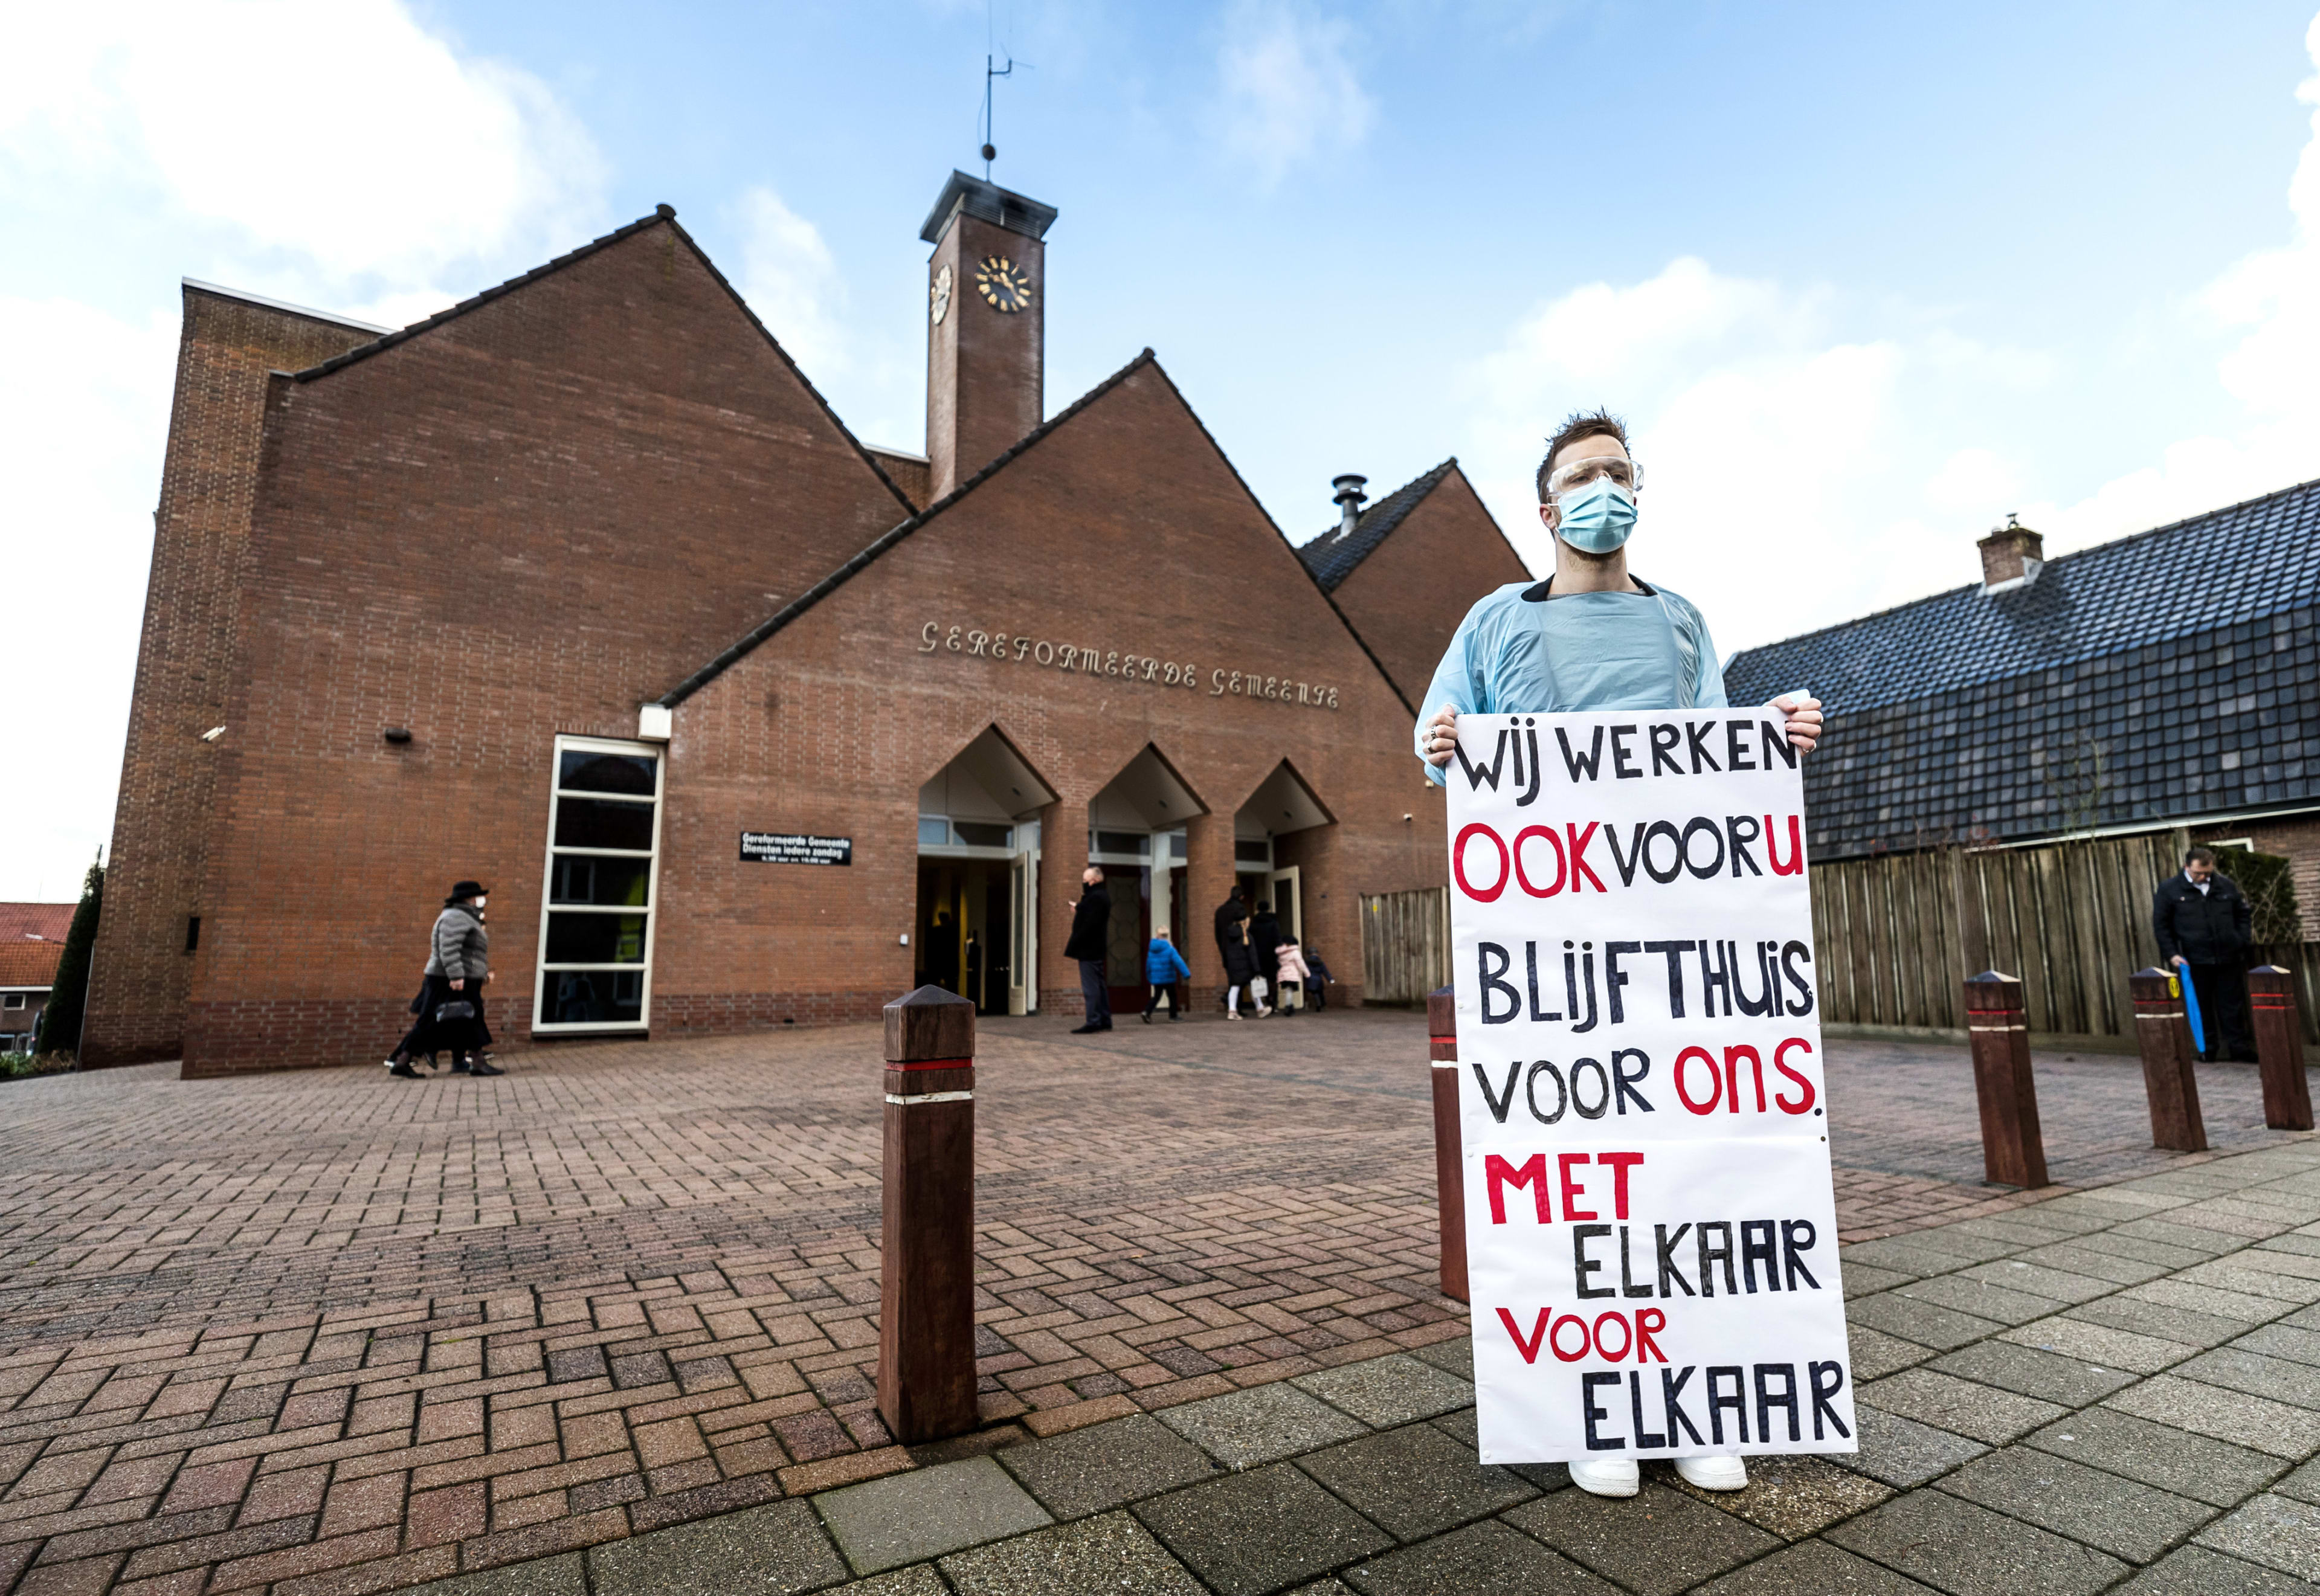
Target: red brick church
[[581, 589]]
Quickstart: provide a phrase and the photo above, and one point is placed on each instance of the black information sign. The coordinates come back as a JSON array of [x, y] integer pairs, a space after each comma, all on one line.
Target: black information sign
[[792, 848]]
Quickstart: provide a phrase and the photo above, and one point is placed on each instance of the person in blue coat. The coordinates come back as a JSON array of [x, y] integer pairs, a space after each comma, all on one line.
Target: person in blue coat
[[1591, 637], [1164, 967]]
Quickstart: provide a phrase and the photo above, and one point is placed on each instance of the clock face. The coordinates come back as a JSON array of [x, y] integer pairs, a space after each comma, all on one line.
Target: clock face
[[1005, 287], [938, 296]]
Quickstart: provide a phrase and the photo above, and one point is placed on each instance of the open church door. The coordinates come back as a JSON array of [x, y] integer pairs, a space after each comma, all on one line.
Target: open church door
[[1023, 970]]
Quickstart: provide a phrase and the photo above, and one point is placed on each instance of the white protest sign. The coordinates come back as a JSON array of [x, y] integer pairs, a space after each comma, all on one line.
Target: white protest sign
[[1651, 1232]]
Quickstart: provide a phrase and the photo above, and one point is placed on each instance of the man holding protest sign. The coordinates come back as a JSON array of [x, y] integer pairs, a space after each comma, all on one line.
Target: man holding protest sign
[[1593, 639]]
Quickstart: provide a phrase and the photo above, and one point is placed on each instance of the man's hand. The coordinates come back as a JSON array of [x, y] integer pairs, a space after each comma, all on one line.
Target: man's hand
[[1442, 736], [2180, 961], [1803, 712], [458, 986]]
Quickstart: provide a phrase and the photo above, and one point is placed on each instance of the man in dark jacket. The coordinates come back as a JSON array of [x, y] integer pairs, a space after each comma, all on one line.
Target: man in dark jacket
[[1090, 939], [2203, 922]]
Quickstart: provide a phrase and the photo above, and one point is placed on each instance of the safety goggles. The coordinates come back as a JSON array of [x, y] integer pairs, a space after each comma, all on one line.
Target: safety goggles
[[1580, 472]]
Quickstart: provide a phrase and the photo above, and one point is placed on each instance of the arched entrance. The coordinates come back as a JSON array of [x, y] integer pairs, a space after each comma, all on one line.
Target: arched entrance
[[1135, 833], [978, 930], [1272, 833]]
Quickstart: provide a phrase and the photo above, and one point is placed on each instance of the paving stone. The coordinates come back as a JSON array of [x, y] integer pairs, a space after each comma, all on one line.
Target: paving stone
[[1256, 1532], [2080, 1258], [918, 1579], [2277, 1531], [1978, 1298], [2155, 1319], [2283, 1380], [1384, 1391], [1485, 1559], [2136, 1522], [1105, 1466], [1963, 1407], [1876, 1353], [1655, 1543], [1112, 1553], [2209, 1471], [1814, 1569], [2283, 1340], [1454, 1357], [2257, 1423], [1416, 1481], [1967, 1550], [2039, 1279], [1928, 1324], [1903, 1452], [909, 1518], [2194, 1571], [2100, 1344], [1263, 1424], [777, 1548], [2034, 1372], [1793, 1497], [1862, 1278], [2144, 1250], [545, 1576]]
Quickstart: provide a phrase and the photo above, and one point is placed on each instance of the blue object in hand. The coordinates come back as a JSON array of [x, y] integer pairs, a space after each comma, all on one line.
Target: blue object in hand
[[2191, 1007]]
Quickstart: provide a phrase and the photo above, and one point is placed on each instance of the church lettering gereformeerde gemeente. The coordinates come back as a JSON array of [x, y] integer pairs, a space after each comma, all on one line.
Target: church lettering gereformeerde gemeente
[[580, 588]]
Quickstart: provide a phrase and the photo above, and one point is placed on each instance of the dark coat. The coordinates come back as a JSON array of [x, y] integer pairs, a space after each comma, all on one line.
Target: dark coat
[[1239, 965], [1263, 937], [2210, 928], [1091, 935]]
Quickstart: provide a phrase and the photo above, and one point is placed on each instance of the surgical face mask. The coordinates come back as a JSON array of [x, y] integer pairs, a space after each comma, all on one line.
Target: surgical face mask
[[1597, 516]]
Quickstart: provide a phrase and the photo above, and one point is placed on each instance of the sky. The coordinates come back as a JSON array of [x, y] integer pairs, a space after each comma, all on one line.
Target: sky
[[1864, 279]]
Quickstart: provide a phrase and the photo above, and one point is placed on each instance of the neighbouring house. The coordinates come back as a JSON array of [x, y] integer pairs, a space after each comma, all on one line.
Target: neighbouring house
[[31, 941], [2168, 680]]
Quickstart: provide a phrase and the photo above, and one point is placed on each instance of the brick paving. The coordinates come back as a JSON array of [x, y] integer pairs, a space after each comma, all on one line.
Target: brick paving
[[331, 1331]]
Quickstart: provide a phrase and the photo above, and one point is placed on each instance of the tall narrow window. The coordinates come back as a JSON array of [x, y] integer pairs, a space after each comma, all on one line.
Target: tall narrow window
[[597, 916]]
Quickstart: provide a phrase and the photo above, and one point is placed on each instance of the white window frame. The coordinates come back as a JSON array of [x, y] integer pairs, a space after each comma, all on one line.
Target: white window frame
[[542, 969]]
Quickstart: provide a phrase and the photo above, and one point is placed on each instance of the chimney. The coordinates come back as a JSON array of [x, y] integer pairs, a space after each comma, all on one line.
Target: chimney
[[2012, 556], [1348, 498], [986, 326]]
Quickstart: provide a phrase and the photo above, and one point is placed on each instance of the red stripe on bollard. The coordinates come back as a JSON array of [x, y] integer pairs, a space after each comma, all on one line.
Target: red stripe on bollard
[[926, 1284], [2164, 1037], [1449, 1157], [2280, 1049]]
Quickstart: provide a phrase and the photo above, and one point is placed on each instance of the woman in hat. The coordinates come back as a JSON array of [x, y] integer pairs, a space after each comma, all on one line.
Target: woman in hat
[[452, 1007]]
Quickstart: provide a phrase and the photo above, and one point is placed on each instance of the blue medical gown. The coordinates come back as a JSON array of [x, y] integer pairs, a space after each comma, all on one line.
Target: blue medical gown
[[1520, 652]]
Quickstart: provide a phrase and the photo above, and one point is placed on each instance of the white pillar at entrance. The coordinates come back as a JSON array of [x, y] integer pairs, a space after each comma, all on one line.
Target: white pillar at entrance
[[1163, 884]]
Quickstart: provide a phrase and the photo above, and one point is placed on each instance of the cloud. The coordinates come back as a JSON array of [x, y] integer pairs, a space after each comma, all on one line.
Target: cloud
[[791, 280], [405, 161], [81, 431], [1286, 89], [2270, 302], [341, 155]]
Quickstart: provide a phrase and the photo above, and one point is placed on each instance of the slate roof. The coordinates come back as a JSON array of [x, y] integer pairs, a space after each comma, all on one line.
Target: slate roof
[[1332, 556], [2165, 677]]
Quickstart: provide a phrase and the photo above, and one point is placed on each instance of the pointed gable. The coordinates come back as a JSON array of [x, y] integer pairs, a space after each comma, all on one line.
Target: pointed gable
[[1410, 568]]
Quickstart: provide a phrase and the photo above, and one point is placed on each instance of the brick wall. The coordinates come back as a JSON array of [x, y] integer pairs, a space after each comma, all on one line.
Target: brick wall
[[1408, 596], [530, 519], [141, 974]]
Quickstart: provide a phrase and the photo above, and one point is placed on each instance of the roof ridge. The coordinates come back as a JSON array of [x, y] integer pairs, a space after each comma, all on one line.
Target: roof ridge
[[889, 540], [1343, 620], [1377, 524], [2119, 542], [659, 213], [307, 310]]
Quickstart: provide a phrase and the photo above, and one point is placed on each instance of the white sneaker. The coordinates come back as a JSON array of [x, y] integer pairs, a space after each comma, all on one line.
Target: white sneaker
[[1714, 1474], [1614, 1477]]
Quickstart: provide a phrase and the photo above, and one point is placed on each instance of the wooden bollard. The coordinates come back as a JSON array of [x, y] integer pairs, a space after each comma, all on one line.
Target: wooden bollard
[[2280, 1049], [1449, 1173], [2163, 1036], [926, 1317], [2013, 1146]]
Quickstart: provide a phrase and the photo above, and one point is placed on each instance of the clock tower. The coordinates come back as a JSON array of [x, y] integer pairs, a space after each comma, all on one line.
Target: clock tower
[[986, 325]]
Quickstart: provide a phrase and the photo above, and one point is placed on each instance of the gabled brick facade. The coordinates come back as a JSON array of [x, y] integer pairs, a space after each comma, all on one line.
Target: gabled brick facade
[[603, 487]]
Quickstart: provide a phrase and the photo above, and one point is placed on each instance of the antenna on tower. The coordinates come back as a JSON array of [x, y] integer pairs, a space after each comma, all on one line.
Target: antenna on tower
[[990, 74]]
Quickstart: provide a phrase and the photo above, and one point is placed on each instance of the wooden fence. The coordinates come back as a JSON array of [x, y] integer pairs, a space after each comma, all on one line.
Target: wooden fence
[[1896, 934], [1405, 944]]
